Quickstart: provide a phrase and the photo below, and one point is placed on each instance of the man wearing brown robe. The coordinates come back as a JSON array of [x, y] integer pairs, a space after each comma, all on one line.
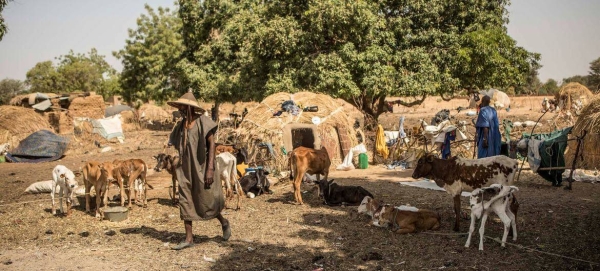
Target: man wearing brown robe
[[199, 199]]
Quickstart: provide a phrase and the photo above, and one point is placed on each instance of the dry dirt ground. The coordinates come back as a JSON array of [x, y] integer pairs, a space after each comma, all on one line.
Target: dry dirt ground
[[271, 233]]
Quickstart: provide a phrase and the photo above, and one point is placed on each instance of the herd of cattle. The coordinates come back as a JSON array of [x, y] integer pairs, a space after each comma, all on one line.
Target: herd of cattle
[[454, 175]]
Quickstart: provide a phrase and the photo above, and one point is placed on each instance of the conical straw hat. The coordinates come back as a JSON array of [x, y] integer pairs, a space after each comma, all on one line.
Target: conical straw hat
[[187, 99]]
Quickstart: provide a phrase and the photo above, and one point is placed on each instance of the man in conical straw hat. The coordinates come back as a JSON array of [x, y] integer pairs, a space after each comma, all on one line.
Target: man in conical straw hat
[[199, 198]]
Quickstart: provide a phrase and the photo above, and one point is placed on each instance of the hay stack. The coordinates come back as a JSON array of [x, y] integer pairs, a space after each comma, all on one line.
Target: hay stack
[[16, 123], [589, 120], [260, 125], [87, 107], [154, 113], [572, 92]]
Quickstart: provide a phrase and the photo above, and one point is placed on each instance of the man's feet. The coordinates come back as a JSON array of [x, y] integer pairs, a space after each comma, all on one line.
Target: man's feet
[[182, 245], [226, 230]]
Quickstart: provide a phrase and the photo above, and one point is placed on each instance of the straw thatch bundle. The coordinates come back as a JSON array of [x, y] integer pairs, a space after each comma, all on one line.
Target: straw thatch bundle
[[16, 123], [572, 92], [335, 129], [87, 107], [589, 120], [150, 112]]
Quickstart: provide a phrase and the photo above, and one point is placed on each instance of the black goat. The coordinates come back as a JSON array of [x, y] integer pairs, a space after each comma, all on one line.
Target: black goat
[[334, 194]]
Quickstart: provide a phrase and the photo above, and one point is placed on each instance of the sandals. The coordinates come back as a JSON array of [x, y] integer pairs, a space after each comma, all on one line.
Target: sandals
[[182, 245]]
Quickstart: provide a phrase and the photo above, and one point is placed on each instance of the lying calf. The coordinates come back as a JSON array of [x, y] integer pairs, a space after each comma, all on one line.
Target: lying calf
[[506, 208], [402, 219], [334, 194], [65, 178], [256, 183]]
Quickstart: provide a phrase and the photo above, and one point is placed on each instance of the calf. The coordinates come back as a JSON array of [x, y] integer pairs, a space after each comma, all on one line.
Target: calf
[[406, 219], [506, 208], [127, 172], [225, 172], [256, 183], [334, 194], [169, 163], [306, 160], [98, 175], [63, 177], [458, 174]]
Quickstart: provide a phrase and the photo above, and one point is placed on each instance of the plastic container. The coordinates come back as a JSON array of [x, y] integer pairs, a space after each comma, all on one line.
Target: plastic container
[[363, 161], [116, 214]]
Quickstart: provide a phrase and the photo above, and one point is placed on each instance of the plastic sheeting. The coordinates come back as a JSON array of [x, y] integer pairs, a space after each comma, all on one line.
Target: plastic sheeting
[[41, 146], [347, 163], [109, 127]]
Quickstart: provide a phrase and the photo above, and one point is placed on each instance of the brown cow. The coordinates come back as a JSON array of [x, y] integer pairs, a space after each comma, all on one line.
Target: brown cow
[[127, 172], [306, 160], [98, 175]]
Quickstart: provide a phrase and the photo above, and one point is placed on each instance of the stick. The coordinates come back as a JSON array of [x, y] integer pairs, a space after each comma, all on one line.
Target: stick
[[532, 129], [579, 139]]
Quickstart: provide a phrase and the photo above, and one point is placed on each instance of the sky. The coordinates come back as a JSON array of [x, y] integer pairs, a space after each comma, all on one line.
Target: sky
[[565, 32]]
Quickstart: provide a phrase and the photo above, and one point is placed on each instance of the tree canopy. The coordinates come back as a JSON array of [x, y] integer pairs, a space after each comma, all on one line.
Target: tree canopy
[[9, 88], [73, 72], [361, 51], [150, 57], [3, 27]]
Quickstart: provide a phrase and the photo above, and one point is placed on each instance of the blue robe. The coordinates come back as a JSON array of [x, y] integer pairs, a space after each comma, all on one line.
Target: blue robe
[[488, 118]]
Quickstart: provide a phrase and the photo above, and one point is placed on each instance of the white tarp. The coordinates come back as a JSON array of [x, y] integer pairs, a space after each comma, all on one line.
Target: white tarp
[[46, 187], [428, 184], [109, 127]]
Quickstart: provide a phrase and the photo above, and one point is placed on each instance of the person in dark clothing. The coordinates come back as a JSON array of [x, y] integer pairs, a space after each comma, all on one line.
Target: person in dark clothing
[[199, 198]]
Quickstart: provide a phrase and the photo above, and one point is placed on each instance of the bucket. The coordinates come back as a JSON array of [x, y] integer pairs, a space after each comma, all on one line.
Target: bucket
[[116, 214], [363, 161]]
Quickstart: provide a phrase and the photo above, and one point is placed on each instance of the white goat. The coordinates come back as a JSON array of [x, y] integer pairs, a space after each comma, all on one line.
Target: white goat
[[63, 177], [481, 206]]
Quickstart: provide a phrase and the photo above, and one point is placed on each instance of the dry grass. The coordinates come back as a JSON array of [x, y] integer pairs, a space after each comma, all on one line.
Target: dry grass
[[589, 121], [16, 123], [572, 92]]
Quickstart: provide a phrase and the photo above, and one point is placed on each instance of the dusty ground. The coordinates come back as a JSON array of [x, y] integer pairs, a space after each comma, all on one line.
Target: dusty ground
[[270, 233]]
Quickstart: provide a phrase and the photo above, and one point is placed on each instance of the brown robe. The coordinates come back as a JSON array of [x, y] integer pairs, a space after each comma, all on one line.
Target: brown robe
[[195, 202]]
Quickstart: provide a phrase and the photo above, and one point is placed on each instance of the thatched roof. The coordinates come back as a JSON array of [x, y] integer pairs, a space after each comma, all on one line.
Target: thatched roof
[[589, 120], [16, 123], [261, 125], [572, 92]]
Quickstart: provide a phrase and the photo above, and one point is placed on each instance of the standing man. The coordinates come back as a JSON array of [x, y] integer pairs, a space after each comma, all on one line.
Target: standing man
[[199, 198], [487, 130]]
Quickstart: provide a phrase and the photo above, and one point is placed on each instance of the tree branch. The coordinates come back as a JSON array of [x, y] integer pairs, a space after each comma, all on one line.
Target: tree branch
[[411, 104]]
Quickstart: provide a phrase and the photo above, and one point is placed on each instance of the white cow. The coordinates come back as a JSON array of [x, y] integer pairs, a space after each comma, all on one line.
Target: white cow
[[226, 172], [63, 177]]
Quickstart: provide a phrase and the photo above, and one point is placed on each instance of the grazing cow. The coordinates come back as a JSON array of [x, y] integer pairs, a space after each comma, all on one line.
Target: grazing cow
[[334, 194], [169, 163], [458, 174], [225, 172], [256, 183], [98, 175], [306, 160], [127, 172], [65, 179], [506, 208]]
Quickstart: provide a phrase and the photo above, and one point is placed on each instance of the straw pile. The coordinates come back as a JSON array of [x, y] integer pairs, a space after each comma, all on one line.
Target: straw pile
[[261, 125], [16, 123], [88, 107], [150, 112], [61, 122], [589, 120], [572, 92]]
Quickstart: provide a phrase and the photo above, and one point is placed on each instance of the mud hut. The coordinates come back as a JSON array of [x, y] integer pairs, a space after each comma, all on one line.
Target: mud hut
[[589, 120], [91, 106], [28, 122], [329, 127], [573, 97]]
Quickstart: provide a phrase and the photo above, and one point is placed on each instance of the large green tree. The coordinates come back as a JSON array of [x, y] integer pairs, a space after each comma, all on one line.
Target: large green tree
[[361, 51], [549, 88], [594, 76], [150, 57], [3, 27], [9, 88], [73, 72]]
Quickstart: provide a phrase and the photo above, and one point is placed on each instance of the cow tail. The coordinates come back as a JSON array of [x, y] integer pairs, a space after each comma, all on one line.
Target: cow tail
[[146, 172]]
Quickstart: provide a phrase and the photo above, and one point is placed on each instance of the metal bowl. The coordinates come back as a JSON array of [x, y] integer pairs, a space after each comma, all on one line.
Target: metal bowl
[[116, 214]]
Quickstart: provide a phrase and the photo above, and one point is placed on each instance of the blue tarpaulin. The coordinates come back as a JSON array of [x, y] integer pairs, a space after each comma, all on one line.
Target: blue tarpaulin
[[41, 146]]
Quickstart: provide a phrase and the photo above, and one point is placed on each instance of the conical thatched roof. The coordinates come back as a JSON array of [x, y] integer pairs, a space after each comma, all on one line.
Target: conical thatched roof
[[572, 92], [589, 120], [260, 124]]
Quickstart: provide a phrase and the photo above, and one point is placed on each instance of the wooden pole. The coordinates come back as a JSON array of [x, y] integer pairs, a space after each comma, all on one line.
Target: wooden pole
[[579, 139]]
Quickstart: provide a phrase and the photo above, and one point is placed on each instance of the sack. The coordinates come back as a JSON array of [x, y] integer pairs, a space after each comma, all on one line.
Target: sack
[[41, 187]]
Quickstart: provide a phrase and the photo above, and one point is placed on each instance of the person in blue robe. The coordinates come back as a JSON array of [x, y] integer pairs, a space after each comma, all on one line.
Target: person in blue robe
[[487, 130]]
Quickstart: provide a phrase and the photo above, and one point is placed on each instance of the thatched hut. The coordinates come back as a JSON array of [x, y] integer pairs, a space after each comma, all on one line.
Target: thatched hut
[[329, 127], [589, 120], [573, 96], [16, 123]]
